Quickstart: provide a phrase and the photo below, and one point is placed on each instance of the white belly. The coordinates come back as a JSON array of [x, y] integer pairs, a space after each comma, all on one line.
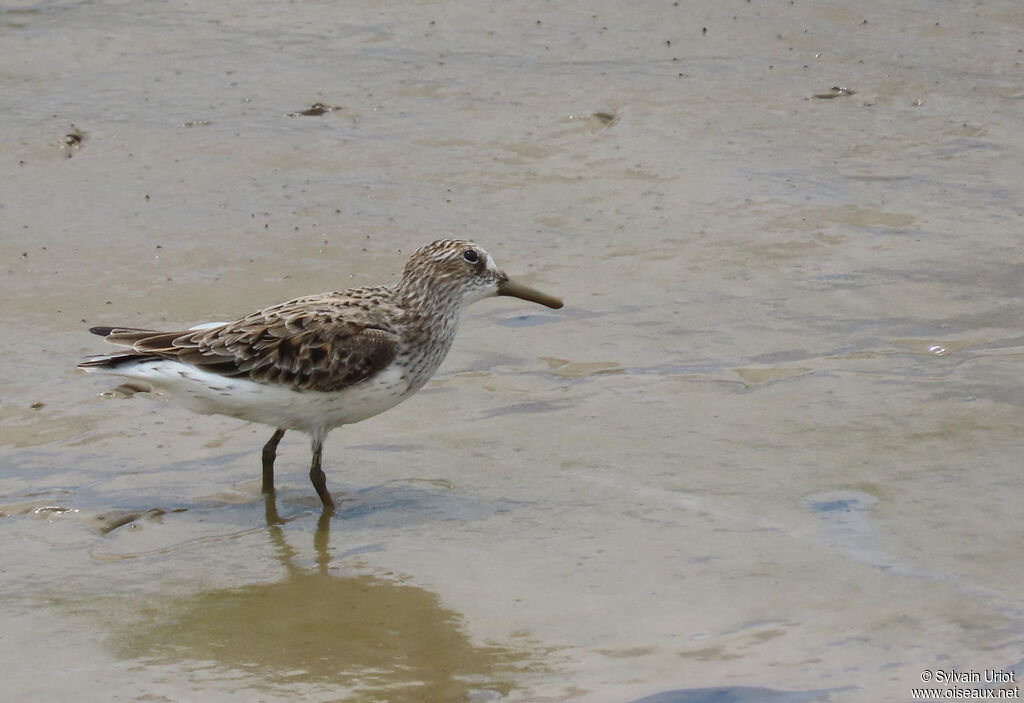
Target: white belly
[[278, 406]]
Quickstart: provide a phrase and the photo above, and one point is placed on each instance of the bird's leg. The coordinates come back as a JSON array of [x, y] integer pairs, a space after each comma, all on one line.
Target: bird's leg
[[316, 475], [269, 454]]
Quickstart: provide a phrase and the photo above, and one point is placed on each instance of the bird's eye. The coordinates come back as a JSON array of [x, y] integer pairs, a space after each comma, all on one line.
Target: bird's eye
[[470, 256]]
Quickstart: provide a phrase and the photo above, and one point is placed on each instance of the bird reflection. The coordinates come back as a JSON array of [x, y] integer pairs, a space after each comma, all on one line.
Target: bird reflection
[[321, 538], [363, 635]]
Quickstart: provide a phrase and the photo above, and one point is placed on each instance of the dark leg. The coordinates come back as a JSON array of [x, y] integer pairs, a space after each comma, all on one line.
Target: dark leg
[[316, 475], [269, 454]]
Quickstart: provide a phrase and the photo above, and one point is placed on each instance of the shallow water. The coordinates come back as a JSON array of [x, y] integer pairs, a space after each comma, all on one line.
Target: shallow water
[[769, 450]]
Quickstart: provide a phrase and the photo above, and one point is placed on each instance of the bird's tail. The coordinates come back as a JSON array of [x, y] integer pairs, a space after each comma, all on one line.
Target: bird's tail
[[123, 336]]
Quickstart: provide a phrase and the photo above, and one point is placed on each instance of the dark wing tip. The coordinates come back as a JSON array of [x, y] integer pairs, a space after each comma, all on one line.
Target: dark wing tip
[[99, 362], [111, 361], [105, 331]]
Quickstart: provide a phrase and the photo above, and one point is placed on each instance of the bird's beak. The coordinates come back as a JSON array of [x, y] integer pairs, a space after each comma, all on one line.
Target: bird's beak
[[518, 290]]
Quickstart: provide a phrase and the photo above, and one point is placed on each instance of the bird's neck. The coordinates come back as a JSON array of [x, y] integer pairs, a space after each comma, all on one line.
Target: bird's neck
[[429, 322], [432, 310], [428, 299]]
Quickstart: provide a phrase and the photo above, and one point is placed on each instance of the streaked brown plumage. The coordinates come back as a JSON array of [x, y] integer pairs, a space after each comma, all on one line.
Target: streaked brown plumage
[[319, 361]]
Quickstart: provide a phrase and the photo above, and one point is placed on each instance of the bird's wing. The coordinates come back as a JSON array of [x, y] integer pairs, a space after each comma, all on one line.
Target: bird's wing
[[321, 343]]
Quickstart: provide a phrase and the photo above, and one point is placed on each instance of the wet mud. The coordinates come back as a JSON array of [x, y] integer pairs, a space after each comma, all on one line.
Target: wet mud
[[768, 450]]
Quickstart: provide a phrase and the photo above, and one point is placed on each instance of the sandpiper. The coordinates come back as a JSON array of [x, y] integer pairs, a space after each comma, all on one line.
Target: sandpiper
[[320, 361]]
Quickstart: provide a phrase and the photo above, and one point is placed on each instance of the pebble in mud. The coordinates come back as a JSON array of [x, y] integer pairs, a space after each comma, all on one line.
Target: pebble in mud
[[315, 110], [72, 141], [836, 91]]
